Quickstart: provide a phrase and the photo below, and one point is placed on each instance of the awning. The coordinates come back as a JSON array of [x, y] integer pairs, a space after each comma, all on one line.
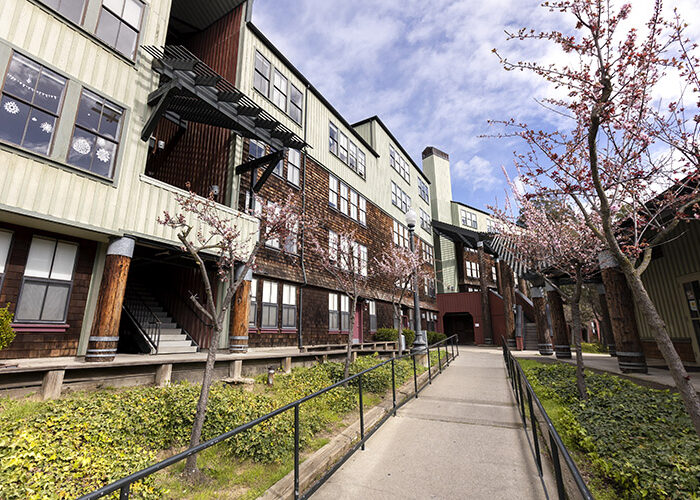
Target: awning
[[190, 91]]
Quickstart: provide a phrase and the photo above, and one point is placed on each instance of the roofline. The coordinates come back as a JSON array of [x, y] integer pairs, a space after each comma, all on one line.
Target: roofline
[[386, 129], [471, 207], [256, 31]]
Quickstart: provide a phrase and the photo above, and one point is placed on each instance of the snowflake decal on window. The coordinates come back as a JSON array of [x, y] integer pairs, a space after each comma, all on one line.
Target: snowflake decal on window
[[103, 155], [46, 127], [11, 107], [82, 146]]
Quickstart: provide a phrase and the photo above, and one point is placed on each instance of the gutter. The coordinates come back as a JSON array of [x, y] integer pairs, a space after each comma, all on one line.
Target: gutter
[[303, 211]]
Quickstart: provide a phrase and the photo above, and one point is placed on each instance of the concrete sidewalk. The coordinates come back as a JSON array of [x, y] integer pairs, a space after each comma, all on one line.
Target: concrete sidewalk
[[462, 438]]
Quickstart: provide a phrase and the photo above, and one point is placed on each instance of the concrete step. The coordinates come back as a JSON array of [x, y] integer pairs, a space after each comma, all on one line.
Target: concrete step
[[183, 342], [168, 337], [176, 350], [170, 331]]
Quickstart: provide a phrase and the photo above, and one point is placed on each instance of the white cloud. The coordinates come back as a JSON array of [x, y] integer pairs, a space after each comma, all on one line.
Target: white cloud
[[477, 173]]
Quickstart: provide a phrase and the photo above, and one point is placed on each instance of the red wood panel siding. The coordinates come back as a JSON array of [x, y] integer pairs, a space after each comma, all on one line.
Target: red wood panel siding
[[41, 342], [200, 155]]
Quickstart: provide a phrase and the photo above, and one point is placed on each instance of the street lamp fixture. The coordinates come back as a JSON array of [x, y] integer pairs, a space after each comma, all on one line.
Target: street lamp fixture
[[419, 344]]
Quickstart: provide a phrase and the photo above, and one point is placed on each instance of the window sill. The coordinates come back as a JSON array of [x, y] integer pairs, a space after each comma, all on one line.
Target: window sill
[[80, 29], [40, 327]]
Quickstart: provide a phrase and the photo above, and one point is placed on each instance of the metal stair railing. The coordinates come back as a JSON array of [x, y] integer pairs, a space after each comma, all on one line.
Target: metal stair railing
[[143, 317]]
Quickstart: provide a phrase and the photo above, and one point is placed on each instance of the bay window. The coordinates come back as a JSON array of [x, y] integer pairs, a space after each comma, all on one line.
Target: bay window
[[32, 97], [47, 281]]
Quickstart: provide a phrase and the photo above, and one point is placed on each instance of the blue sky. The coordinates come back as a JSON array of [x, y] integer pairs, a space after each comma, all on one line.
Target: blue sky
[[427, 70]]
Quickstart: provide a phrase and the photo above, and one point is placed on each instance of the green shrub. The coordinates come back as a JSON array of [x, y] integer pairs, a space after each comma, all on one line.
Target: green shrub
[[7, 334], [410, 337], [434, 337], [639, 439], [386, 335], [377, 381], [592, 347]]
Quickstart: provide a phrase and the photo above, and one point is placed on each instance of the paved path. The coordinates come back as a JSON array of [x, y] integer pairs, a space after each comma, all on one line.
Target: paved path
[[461, 439]]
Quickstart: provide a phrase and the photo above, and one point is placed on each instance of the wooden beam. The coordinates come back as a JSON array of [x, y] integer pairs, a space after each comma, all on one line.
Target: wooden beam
[[238, 338], [257, 162], [544, 335], [164, 97]]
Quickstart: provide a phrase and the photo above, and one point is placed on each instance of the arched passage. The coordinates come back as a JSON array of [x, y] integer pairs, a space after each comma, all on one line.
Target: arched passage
[[460, 324]]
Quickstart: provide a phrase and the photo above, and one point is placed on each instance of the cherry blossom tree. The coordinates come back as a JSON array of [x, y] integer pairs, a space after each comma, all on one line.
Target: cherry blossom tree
[[629, 161], [235, 253], [344, 259], [400, 266], [554, 240]]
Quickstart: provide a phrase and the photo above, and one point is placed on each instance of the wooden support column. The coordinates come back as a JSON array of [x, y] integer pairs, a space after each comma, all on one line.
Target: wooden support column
[[485, 306], [618, 296], [562, 346], [238, 332], [544, 336], [104, 336], [522, 286], [508, 293], [605, 326]]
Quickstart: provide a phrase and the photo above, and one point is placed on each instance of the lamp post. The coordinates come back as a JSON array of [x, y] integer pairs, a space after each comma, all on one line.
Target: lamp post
[[419, 344]]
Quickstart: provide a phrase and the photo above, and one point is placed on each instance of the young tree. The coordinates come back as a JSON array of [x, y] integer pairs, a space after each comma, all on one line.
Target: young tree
[[631, 191], [235, 256], [345, 260], [554, 240], [400, 267]]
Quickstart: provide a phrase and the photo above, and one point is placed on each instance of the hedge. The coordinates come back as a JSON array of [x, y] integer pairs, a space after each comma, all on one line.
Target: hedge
[[435, 337], [7, 334], [638, 439], [392, 335]]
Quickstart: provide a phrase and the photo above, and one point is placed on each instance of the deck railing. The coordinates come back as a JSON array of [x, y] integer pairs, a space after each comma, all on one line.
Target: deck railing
[[525, 395], [447, 350]]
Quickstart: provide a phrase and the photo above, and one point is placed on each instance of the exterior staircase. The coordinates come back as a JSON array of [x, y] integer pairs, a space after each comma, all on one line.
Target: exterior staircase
[[530, 341], [162, 332]]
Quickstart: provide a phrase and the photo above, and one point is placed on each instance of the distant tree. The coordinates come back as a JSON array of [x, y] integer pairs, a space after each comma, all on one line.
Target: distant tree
[[401, 267], [614, 162], [220, 235], [341, 257]]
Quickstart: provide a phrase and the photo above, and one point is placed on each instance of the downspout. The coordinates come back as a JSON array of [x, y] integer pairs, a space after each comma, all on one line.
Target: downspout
[[303, 211]]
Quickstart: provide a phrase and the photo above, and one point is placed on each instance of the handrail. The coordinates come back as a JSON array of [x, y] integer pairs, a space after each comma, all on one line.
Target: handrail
[[143, 317], [123, 485], [556, 445]]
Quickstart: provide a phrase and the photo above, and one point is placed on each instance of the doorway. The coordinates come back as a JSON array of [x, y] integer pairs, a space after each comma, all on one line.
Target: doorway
[[460, 324]]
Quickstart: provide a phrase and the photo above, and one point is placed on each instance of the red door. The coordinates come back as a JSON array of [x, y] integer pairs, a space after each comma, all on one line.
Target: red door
[[357, 329]]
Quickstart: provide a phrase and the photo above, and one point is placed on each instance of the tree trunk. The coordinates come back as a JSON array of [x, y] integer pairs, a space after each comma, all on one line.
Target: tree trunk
[[397, 314], [191, 463], [663, 340], [544, 338], [485, 306], [605, 321], [576, 318], [562, 348], [351, 327]]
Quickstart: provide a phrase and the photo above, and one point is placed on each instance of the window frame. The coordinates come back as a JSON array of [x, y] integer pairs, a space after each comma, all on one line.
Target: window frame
[[344, 301], [294, 106], [372, 313], [58, 11], [333, 312], [256, 72], [423, 191], [270, 305], [3, 269], [253, 306], [285, 94], [336, 139], [287, 306], [335, 193], [138, 29], [293, 169]]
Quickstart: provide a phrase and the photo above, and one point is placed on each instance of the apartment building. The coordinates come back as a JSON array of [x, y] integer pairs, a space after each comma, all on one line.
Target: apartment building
[[110, 108]]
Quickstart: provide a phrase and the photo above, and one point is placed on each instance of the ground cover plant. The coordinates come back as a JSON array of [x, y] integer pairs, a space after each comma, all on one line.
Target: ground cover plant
[[635, 441], [68, 447]]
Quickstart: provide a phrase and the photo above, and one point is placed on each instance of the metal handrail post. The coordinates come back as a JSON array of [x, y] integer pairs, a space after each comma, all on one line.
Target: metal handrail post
[[557, 467], [538, 458], [522, 402], [439, 360], [362, 414], [296, 452], [415, 376], [430, 373], [393, 384], [124, 492]]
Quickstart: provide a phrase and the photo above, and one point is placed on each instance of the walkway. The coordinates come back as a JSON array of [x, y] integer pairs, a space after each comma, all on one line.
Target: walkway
[[462, 438]]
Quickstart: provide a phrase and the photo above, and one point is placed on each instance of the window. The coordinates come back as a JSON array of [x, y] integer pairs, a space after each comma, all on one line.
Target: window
[[47, 281], [372, 316], [468, 218], [425, 221], [401, 235], [273, 242], [269, 304], [289, 306], [332, 246], [344, 254], [290, 244], [279, 91], [332, 191], [472, 269], [95, 135], [119, 25], [5, 241], [399, 164], [428, 253], [344, 193], [400, 199], [363, 260], [429, 286], [256, 149], [333, 312], [361, 169], [343, 147], [494, 276], [31, 103], [296, 101], [353, 204], [71, 9], [253, 311], [362, 218], [423, 190], [352, 156], [261, 79], [293, 166], [333, 139], [344, 313]]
